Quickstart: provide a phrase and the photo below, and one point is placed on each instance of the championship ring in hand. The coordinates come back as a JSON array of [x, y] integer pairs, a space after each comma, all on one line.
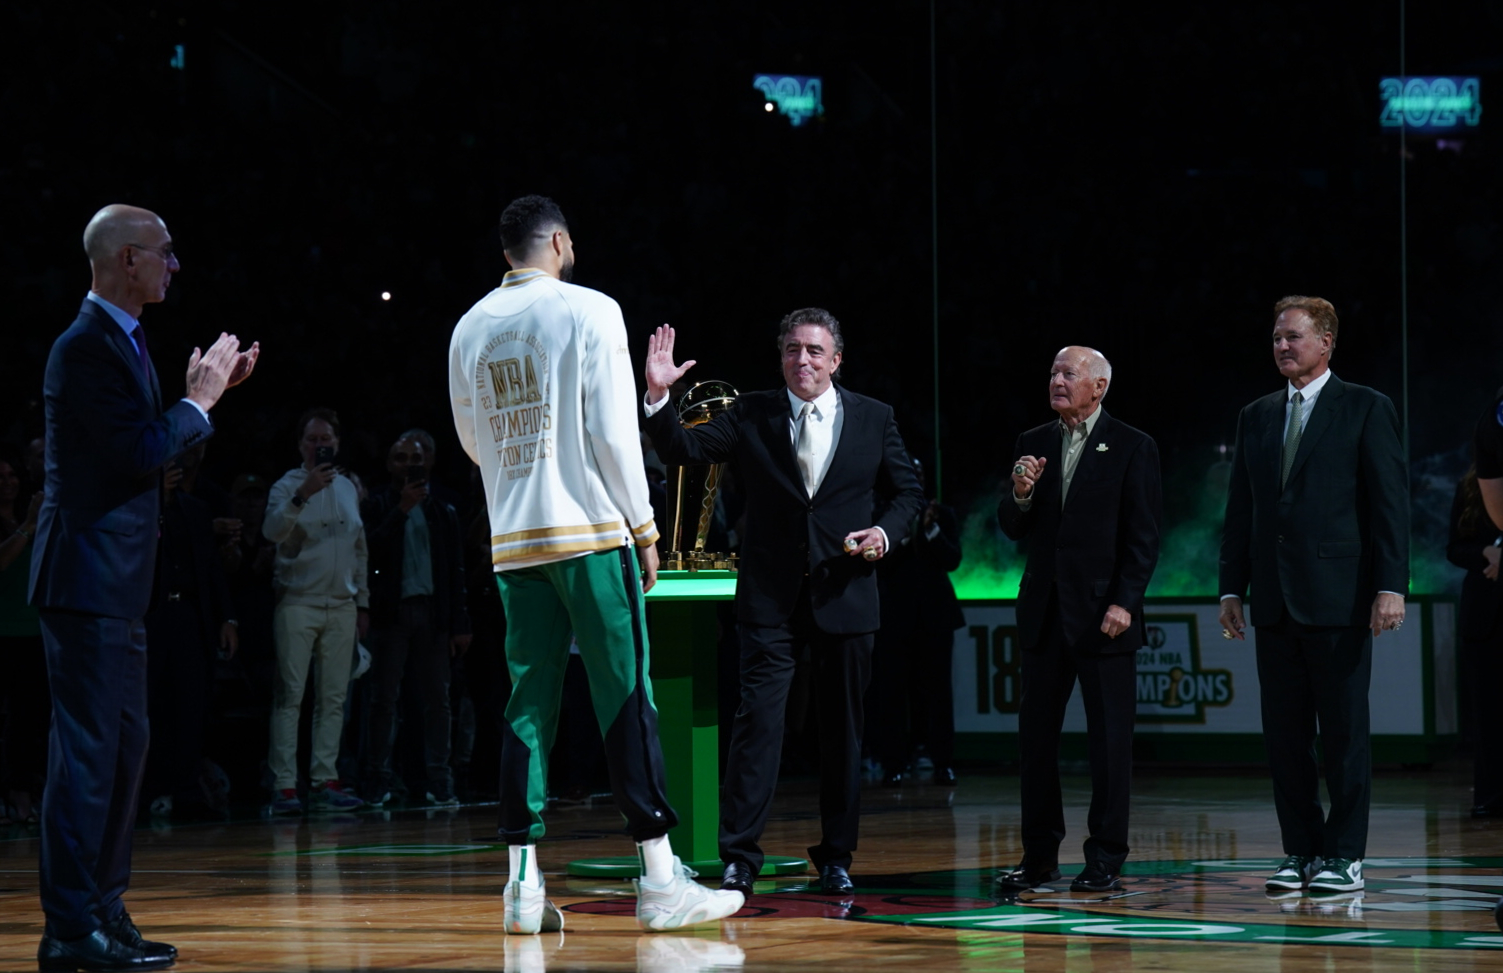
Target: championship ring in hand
[[851, 544], [1019, 470], [870, 553]]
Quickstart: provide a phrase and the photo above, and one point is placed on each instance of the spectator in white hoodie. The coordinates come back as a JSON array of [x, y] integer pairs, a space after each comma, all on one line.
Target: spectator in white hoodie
[[313, 516]]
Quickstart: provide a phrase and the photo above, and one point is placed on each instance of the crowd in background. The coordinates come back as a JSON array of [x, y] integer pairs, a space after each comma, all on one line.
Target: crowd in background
[[407, 712]]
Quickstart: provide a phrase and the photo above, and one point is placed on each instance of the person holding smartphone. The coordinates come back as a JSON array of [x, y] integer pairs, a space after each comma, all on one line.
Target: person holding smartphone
[[420, 622], [322, 601]]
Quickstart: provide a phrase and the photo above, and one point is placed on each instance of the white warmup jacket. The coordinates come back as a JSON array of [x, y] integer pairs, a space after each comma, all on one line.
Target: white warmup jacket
[[321, 557], [546, 403]]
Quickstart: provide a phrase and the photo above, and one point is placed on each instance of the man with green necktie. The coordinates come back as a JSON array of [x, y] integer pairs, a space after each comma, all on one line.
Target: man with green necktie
[[1317, 539]]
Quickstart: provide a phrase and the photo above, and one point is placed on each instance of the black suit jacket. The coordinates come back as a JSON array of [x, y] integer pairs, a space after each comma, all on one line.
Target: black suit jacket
[[914, 578], [1323, 547], [1481, 596], [386, 534], [108, 438], [870, 483], [1101, 548]]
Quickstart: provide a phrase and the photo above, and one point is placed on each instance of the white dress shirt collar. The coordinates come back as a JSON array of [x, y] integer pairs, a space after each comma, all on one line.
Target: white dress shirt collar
[[824, 403], [126, 322], [1310, 391]]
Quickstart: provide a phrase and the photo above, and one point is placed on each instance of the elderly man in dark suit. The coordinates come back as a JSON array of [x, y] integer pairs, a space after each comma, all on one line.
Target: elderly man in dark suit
[[1317, 539], [1086, 501], [108, 438], [829, 490]]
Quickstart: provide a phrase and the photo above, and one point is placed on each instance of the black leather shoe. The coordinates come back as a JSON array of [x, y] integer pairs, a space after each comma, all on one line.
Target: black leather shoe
[[126, 932], [1498, 913], [944, 776], [1487, 811], [738, 878], [894, 779], [835, 880], [1026, 876], [97, 952], [1096, 878]]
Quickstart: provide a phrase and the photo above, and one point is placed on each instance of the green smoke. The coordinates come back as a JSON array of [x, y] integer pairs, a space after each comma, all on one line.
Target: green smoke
[[1190, 549]]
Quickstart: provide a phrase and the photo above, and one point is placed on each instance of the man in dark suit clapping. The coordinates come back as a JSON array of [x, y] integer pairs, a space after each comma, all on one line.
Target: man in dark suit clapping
[[1086, 500], [829, 490], [108, 438], [1317, 538]]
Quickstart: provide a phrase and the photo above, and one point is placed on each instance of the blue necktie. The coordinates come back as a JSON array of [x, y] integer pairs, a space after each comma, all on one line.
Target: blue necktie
[[139, 337]]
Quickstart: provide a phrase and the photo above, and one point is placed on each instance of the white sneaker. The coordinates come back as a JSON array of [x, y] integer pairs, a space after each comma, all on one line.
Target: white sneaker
[[1294, 872], [528, 910], [683, 901], [1338, 875]]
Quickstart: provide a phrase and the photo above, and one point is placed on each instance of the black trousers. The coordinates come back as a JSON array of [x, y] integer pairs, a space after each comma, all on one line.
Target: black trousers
[[412, 648], [1482, 671], [1108, 687], [912, 691], [97, 753], [841, 670], [1308, 678], [179, 690]]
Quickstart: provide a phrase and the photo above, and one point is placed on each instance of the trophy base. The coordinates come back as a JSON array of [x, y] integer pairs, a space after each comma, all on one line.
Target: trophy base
[[693, 561]]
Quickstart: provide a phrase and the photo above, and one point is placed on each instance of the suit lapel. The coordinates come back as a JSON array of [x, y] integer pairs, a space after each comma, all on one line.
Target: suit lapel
[[127, 350], [779, 443], [1270, 435], [1086, 465], [850, 415], [1327, 404]]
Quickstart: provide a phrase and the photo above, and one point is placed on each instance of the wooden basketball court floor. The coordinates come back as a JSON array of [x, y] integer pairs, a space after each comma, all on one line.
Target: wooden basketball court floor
[[421, 890]]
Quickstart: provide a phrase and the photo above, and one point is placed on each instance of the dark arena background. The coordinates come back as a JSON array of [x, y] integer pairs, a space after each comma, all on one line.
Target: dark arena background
[[967, 186]]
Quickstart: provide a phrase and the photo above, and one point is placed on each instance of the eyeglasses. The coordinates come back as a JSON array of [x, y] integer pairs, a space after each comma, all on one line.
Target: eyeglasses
[[165, 251]]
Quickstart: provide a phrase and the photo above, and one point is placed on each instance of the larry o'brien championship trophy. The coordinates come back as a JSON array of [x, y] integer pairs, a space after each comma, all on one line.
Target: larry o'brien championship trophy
[[693, 489]]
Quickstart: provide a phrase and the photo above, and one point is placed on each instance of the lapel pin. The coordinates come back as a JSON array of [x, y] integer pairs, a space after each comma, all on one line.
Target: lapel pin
[[1101, 447]]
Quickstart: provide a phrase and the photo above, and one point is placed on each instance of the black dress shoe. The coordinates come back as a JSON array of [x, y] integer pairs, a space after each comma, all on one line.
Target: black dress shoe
[[894, 779], [1096, 878], [738, 877], [1026, 876], [126, 932], [835, 880], [98, 952], [944, 776], [1487, 811]]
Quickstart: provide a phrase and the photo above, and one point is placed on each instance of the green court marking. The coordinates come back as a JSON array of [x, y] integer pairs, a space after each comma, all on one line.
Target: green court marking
[[1416, 875], [1015, 919], [406, 850]]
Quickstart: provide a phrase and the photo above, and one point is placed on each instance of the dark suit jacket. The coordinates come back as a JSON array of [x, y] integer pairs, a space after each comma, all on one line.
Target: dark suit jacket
[[107, 441], [1481, 596], [1101, 548], [871, 483], [914, 579], [192, 519], [1338, 533], [386, 536]]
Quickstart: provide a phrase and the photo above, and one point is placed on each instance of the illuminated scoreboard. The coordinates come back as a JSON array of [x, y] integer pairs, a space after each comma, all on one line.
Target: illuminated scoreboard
[[1431, 105], [799, 97]]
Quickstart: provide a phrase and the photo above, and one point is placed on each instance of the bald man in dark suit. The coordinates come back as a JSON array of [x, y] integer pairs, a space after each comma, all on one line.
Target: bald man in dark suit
[[1086, 504], [108, 438]]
